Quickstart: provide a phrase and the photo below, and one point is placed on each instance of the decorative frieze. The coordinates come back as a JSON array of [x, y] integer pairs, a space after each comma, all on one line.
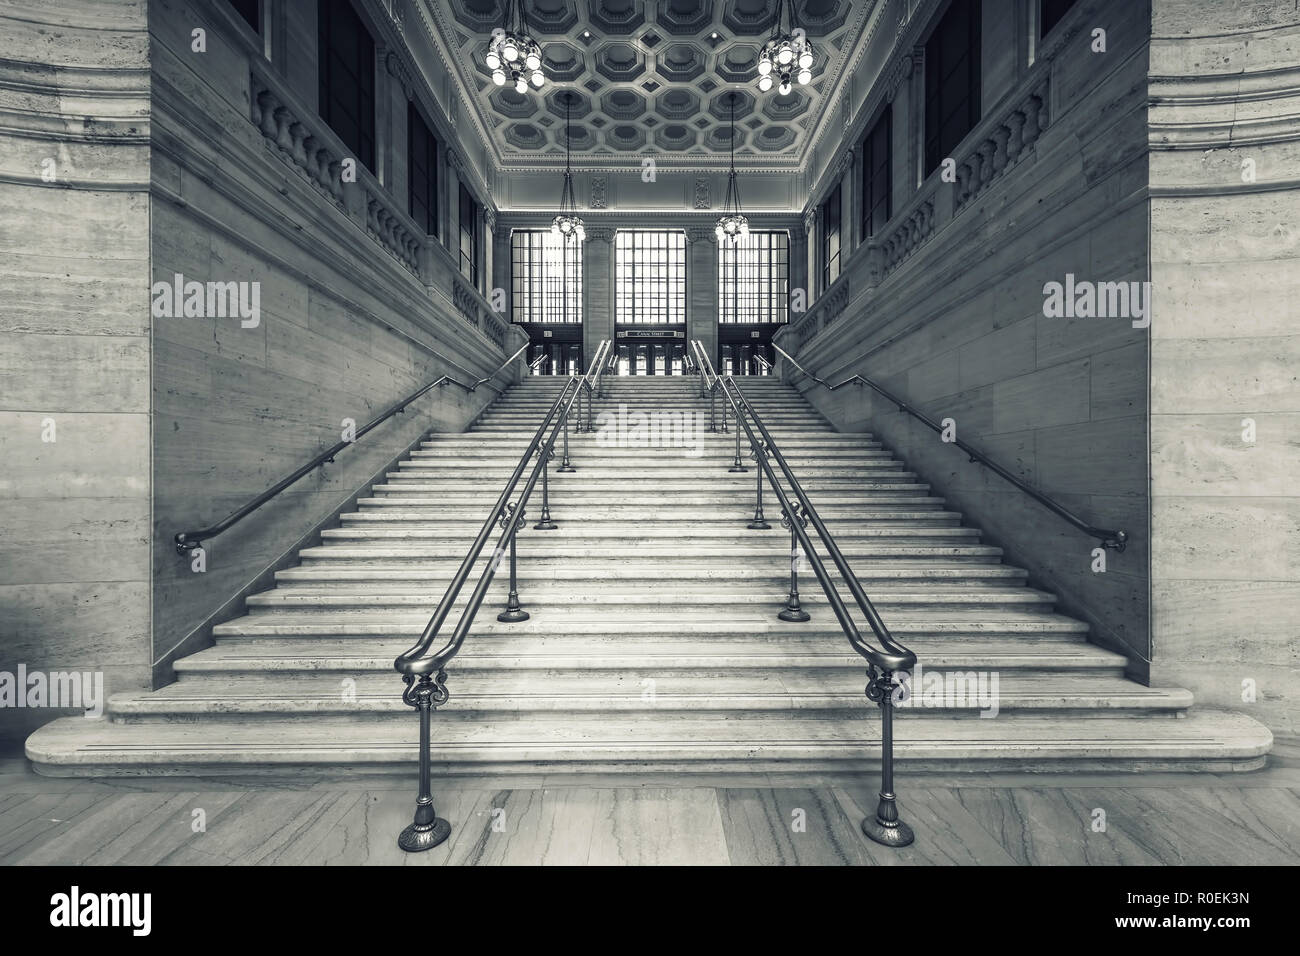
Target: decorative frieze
[[702, 194], [598, 186]]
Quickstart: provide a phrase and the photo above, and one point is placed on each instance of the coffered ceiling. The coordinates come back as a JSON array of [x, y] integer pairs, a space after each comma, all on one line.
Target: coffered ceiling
[[649, 77]]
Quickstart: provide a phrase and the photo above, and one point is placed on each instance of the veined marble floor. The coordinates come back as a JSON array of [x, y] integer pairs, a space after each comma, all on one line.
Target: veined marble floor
[[1205, 819]]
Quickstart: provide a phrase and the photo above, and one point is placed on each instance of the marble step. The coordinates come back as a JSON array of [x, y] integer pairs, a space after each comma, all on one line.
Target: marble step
[[737, 622], [852, 551], [863, 523], [579, 532], [637, 652], [629, 600], [592, 696], [833, 509], [1203, 740], [538, 568]]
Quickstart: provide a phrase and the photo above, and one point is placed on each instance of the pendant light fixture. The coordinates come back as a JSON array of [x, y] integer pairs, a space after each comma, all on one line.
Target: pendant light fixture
[[787, 54], [512, 54], [568, 223], [732, 224]]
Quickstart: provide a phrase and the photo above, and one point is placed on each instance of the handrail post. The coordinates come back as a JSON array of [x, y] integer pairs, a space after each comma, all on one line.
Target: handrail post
[[793, 611], [514, 611], [565, 464], [886, 828], [427, 830], [760, 522], [545, 523], [736, 466], [591, 408]]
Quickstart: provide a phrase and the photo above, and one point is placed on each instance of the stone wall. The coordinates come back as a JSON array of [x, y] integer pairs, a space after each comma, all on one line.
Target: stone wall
[[1225, 354], [74, 344], [358, 309], [1051, 181]]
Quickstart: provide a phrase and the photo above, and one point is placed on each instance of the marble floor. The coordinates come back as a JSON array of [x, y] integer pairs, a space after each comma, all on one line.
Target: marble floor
[[1204, 819]]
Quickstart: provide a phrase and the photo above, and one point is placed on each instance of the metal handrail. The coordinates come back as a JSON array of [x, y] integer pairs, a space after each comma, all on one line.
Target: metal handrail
[[189, 541], [882, 662], [423, 673], [1115, 539], [538, 361]]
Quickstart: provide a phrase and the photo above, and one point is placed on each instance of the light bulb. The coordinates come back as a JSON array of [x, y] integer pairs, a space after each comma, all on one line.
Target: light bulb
[[744, 228], [765, 82], [805, 77], [764, 66], [718, 233], [498, 78], [582, 234], [521, 86], [784, 88], [784, 57], [538, 79], [533, 61], [493, 61], [511, 51], [806, 59]]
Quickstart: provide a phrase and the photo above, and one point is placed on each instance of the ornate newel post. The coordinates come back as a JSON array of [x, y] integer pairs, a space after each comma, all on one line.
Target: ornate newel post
[[886, 828], [428, 829]]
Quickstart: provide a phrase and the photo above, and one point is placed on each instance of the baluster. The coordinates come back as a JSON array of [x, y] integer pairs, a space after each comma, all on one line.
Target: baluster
[[566, 465], [514, 610], [793, 611], [759, 523], [545, 523], [428, 829], [886, 828]]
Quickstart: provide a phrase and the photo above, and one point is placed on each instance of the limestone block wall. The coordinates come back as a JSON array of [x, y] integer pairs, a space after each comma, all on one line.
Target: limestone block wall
[[1225, 354], [1051, 182], [358, 309], [74, 345]]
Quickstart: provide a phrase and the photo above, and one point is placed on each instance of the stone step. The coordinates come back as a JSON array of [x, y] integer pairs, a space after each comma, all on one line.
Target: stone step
[[1204, 740], [631, 538], [732, 623], [677, 653], [703, 524], [852, 551], [538, 568], [586, 697], [640, 507]]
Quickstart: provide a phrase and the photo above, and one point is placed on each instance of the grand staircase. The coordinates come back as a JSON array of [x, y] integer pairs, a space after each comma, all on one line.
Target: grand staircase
[[653, 643]]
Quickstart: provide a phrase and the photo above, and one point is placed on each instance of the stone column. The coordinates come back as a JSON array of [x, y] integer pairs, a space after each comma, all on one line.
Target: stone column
[[702, 289], [501, 265], [597, 290]]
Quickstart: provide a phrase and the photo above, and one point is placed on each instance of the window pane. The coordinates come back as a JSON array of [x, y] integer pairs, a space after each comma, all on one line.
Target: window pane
[[347, 77], [649, 277], [753, 278], [546, 275], [952, 81]]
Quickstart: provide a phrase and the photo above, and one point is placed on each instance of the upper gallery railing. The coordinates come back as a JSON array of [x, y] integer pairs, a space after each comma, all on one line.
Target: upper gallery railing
[[422, 669], [883, 662], [1108, 538], [188, 541]]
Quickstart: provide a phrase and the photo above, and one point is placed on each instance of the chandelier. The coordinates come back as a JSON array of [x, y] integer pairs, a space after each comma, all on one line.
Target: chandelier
[[512, 54], [568, 223], [732, 224], [785, 55]]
